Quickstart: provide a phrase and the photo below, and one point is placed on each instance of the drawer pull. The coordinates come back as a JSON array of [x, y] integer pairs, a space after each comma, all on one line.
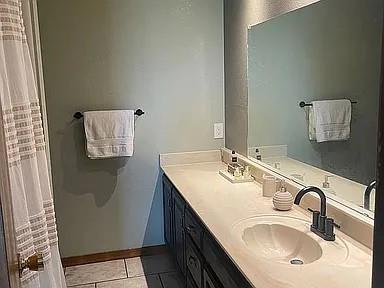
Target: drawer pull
[[193, 261], [190, 229]]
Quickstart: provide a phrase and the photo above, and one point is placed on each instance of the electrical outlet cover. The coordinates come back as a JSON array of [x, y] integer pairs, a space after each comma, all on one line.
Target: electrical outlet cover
[[218, 131]]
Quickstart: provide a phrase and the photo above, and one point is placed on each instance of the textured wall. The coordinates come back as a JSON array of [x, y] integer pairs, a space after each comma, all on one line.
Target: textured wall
[[320, 52], [165, 57], [238, 15]]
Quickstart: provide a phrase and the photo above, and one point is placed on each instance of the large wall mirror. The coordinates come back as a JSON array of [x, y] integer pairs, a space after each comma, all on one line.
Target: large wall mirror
[[314, 84]]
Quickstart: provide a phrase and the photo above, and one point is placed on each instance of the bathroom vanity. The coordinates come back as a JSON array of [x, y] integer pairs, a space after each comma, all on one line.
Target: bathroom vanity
[[198, 255], [229, 235]]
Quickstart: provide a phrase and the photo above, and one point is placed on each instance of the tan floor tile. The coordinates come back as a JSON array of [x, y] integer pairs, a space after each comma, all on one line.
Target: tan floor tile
[[150, 265], [91, 273], [151, 281], [84, 286]]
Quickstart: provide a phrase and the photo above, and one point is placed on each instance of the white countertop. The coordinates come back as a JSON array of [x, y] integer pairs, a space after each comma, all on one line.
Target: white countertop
[[221, 205]]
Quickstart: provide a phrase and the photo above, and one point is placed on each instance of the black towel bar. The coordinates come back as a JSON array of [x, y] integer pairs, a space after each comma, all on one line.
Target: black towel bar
[[79, 115]]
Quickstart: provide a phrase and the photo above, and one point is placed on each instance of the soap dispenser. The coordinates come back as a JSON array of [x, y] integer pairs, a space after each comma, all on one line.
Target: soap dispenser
[[327, 185], [283, 199]]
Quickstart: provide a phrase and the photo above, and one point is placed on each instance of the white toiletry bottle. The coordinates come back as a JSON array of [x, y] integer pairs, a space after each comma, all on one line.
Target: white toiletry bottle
[[247, 172]]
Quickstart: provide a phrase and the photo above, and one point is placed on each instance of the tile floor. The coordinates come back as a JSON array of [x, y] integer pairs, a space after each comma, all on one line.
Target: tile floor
[[157, 271]]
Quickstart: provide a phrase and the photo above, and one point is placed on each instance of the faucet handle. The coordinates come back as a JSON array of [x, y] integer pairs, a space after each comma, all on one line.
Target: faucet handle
[[329, 228], [315, 218], [336, 225]]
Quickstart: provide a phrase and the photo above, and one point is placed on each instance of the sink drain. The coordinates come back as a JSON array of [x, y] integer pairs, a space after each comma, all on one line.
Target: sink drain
[[296, 262]]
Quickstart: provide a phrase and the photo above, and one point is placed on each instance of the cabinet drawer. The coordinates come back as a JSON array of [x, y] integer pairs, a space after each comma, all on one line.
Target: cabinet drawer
[[193, 262], [193, 228]]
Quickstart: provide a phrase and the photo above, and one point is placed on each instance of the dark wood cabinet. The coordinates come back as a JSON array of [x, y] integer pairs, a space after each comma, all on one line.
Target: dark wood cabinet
[[168, 212], [179, 248], [193, 228], [221, 265], [209, 280], [190, 282], [194, 262], [199, 257]]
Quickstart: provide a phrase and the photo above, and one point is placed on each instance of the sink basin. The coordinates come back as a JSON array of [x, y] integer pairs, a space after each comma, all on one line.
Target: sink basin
[[282, 243], [288, 241]]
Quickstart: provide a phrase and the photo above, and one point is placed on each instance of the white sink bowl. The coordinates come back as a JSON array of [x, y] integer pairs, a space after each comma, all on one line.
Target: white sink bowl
[[287, 240]]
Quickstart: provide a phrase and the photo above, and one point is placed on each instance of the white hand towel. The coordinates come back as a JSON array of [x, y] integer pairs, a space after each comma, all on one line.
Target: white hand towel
[[311, 124], [332, 120], [109, 133]]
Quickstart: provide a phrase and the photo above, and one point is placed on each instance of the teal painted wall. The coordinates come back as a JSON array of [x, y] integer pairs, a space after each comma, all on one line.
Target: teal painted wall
[[328, 50], [165, 57]]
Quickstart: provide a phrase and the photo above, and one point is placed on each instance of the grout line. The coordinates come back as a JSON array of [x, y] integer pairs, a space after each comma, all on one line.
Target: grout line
[[126, 268], [89, 283], [79, 285], [119, 279]]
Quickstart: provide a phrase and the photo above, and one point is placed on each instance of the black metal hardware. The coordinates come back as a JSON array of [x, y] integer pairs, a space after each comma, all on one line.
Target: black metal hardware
[[190, 229], [302, 104], [192, 261], [322, 225], [367, 194], [315, 218], [79, 115]]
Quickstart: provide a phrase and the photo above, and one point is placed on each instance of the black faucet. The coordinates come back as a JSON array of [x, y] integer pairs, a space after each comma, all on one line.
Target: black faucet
[[367, 194], [322, 225]]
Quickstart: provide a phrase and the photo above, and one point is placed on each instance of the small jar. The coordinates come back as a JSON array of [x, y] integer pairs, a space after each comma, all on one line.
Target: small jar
[[283, 200]]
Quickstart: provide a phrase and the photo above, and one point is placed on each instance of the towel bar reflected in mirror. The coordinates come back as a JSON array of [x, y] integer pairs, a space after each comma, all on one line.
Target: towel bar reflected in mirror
[[302, 104]]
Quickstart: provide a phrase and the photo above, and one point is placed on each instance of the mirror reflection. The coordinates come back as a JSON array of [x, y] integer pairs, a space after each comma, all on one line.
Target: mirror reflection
[[314, 83]]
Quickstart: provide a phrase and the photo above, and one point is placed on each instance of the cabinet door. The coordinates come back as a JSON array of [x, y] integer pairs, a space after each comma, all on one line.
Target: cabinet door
[[168, 212], [193, 228], [193, 262], [179, 233]]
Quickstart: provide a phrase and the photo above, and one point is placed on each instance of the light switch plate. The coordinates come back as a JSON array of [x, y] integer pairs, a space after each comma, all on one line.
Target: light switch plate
[[218, 130]]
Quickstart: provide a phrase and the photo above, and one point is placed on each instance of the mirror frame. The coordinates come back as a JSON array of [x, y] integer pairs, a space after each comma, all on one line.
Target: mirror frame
[[378, 237]]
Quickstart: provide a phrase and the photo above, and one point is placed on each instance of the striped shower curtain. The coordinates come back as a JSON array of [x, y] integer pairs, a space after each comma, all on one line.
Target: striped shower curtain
[[33, 209]]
